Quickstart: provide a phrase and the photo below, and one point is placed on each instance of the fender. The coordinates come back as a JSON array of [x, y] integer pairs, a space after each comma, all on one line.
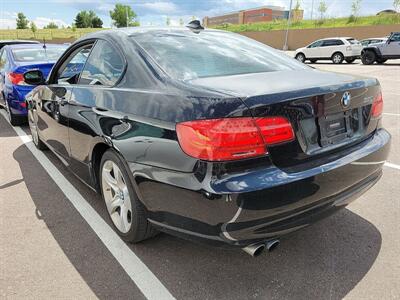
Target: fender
[[374, 49]]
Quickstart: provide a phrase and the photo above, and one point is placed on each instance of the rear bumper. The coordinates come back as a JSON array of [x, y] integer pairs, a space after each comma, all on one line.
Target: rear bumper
[[241, 209], [16, 99]]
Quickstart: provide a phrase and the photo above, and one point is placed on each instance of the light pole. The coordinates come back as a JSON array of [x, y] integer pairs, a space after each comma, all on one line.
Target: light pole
[[126, 12], [312, 10], [285, 47]]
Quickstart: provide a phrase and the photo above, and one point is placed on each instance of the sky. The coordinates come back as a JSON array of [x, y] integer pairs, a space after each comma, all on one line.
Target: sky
[[155, 12]]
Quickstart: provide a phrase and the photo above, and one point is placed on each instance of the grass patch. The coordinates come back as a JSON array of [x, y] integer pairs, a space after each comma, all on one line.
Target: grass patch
[[387, 19], [48, 34]]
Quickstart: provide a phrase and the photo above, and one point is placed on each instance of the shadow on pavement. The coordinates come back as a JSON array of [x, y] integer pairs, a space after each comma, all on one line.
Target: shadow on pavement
[[326, 260]]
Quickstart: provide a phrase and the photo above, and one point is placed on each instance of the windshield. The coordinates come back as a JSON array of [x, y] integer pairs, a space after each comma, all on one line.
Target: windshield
[[186, 55], [38, 54]]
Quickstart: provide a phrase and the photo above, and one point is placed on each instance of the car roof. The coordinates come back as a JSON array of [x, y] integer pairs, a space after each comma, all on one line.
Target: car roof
[[34, 46], [19, 41], [336, 38]]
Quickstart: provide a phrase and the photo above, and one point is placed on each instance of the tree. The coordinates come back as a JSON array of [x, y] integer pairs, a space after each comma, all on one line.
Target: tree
[[51, 25], [181, 22], [168, 21], [396, 5], [322, 8], [355, 8], [97, 22], [298, 5], [22, 21], [88, 19], [123, 16], [33, 27]]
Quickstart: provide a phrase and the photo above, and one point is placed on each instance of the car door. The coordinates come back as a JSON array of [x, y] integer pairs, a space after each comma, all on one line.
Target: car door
[[314, 50], [329, 47], [3, 63], [392, 46], [52, 108], [103, 70]]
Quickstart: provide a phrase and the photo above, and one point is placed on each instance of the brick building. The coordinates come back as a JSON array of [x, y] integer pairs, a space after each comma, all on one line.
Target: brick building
[[255, 15]]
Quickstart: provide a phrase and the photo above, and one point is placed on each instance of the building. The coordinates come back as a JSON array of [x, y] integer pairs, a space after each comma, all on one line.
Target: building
[[254, 15]]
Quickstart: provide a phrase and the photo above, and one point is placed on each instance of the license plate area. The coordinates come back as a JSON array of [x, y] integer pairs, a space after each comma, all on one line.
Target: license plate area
[[335, 128]]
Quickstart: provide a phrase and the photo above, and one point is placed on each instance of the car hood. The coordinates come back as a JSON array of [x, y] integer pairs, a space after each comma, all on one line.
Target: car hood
[[248, 85], [300, 50]]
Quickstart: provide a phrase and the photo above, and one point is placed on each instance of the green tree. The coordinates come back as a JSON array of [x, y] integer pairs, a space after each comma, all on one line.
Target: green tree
[[355, 8], [181, 22], [123, 16], [322, 8], [22, 21], [87, 19], [51, 25], [298, 5], [97, 22], [168, 21], [396, 5], [33, 27]]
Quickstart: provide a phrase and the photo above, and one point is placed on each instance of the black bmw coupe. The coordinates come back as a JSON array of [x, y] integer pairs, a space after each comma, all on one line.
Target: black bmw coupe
[[208, 135]]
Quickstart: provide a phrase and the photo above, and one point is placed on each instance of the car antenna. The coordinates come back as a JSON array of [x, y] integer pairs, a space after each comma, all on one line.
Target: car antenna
[[195, 26], [45, 47]]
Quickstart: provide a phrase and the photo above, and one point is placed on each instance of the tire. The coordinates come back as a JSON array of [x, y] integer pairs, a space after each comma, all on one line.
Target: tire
[[34, 132], [337, 58], [301, 57], [13, 119], [381, 61], [350, 60], [368, 57], [125, 210], [313, 61]]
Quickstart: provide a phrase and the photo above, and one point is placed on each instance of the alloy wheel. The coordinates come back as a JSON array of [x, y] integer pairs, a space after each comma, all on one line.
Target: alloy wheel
[[337, 58], [116, 195]]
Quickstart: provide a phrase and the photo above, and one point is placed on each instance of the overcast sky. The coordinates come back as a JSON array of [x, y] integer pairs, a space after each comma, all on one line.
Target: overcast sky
[[155, 12]]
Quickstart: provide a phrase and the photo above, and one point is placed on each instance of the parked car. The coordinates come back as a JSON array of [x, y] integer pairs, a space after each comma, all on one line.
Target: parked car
[[335, 49], [14, 61], [381, 52], [368, 42], [16, 42], [208, 135]]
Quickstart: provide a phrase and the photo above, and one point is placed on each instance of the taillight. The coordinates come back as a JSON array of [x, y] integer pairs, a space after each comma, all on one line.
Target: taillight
[[16, 78], [377, 106], [232, 138]]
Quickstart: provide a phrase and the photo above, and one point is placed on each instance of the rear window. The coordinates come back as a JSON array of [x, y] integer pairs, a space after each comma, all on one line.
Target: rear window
[[186, 55], [38, 54], [353, 41]]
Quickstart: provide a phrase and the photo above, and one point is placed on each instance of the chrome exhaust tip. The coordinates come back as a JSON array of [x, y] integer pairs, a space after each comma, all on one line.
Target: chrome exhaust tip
[[255, 249], [272, 244]]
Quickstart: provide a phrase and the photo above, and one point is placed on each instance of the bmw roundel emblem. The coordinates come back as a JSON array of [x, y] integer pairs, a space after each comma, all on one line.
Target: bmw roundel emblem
[[346, 99]]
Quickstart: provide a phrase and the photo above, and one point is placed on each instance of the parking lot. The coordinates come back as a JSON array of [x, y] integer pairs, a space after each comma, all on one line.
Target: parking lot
[[57, 243]]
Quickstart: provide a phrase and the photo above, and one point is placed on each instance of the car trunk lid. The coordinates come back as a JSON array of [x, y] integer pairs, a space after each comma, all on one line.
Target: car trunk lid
[[328, 111]]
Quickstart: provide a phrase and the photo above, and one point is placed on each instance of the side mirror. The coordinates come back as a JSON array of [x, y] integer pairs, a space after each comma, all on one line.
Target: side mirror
[[34, 77]]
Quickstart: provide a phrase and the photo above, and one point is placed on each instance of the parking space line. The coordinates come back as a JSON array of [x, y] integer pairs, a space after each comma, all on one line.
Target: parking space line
[[391, 114], [141, 275], [393, 166]]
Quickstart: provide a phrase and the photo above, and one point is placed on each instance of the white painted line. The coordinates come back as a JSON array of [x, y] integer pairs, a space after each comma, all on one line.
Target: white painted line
[[391, 114], [145, 280], [393, 166]]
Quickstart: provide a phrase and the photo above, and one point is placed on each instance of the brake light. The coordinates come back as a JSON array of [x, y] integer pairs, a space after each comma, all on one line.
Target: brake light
[[16, 78], [232, 138], [377, 106]]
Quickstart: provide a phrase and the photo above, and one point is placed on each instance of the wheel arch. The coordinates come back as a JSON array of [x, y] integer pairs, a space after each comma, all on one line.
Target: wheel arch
[[337, 52], [373, 49]]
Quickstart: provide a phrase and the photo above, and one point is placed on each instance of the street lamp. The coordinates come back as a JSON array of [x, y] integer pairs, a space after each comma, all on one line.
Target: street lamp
[[285, 47]]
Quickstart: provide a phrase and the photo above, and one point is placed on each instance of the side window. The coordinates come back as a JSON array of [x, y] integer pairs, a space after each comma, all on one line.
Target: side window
[[3, 59], [395, 37], [316, 44], [73, 66], [104, 66]]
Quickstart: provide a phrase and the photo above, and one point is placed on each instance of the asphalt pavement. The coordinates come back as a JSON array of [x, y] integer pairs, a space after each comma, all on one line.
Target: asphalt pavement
[[56, 240]]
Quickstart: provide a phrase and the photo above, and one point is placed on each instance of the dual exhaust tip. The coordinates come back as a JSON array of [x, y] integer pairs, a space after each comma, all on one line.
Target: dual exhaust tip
[[258, 248]]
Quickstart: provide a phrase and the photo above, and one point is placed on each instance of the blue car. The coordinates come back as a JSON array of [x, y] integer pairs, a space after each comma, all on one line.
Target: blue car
[[15, 60]]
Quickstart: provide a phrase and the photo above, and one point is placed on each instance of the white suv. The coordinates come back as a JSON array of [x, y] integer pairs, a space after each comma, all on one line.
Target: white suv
[[335, 49]]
